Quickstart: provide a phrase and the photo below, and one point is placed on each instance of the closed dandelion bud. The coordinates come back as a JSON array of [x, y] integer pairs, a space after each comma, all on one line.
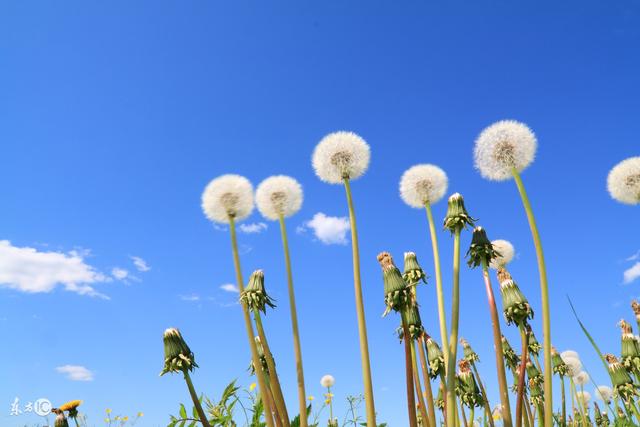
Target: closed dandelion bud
[[602, 419], [413, 273], [469, 355], [457, 216], [178, 357], [622, 382], [629, 355], [435, 356], [559, 367], [635, 306], [396, 292], [61, 420], [536, 396], [261, 356], [516, 307], [332, 422], [411, 317], [439, 400], [255, 295], [511, 358], [534, 374], [481, 251], [534, 345], [467, 388]]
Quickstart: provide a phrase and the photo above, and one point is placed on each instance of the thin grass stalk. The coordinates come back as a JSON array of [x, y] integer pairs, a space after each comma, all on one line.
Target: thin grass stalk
[[362, 324], [544, 293], [453, 339], [497, 343], [442, 316], [247, 321], [302, 398], [196, 400], [418, 386], [579, 402], [487, 406], [411, 400], [427, 382], [521, 375], [278, 397]]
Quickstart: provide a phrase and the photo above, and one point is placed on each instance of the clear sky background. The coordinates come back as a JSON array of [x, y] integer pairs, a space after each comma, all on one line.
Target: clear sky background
[[115, 115]]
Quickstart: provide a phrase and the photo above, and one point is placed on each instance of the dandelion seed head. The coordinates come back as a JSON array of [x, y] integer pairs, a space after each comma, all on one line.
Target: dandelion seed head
[[573, 363], [327, 381], [584, 396], [506, 251], [569, 353], [604, 393], [341, 155], [581, 378], [502, 146], [228, 196], [422, 184], [623, 181], [279, 195]]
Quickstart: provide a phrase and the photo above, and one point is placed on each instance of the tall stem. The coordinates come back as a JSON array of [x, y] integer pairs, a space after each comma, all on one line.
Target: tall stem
[[524, 337], [411, 400], [453, 339], [427, 382], [330, 404], [195, 399], [485, 398], [302, 398], [276, 389], [442, 317], [418, 385], [362, 324], [262, 388], [270, 402], [564, 402], [497, 343], [544, 292]]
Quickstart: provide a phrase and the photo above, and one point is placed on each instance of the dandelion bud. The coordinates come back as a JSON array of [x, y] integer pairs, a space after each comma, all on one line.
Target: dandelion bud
[[533, 373], [467, 387], [396, 293], [255, 295], [504, 252], [515, 305], [228, 197], [481, 251], [279, 196], [534, 345], [413, 273], [439, 400], [537, 394], [622, 382], [178, 357], [339, 156], [61, 420], [601, 418], [261, 356], [623, 181], [469, 355], [630, 354], [457, 217], [559, 367], [435, 357], [511, 358], [423, 184], [412, 319]]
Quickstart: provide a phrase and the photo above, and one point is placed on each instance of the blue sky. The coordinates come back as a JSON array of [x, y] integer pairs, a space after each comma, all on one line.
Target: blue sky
[[114, 116]]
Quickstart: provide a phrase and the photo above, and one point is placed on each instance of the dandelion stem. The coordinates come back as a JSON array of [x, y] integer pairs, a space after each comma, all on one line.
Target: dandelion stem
[[270, 400], [196, 400], [544, 292], [330, 404], [497, 343], [442, 317], [485, 398], [411, 400], [362, 326], [524, 337], [453, 339], [302, 398], [427, 382], [464, 416], [418, 385], [247, 320], [564, 403]]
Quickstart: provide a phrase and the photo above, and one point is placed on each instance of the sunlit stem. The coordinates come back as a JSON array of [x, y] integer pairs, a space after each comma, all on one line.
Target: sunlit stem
[[524, 338], [485, 400], [427, 382], [497, 344], [362, 325], [564, 402], [544, 292], [442, 317], [418, 386], [464, 416], [579, 401], [270, 402], [195, 399], [262, 388], [330, 404], [472, 415], [453, 339], [302, 398], [411, 401]]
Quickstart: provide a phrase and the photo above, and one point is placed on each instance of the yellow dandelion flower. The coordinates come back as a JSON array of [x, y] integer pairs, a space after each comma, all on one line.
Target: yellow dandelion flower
[[117, 418], [252, 386], [125, 418], [310, 397], [327, 401], [70, 405], [106, 420], [108, 411], [140, 414]]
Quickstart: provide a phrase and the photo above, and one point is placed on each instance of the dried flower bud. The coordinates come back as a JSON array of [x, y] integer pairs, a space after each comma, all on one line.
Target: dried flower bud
[[515, 305], [457, 216], [396, 293], [467, 387], [61, 420], [178, 357], [533, 373], [559, 367], [469, 355], [255, 295], [630, 354], [511, 358], [439, 401], [435, 356], [534, 345], [622, 382], [411, 316], [537, 395], [635, 306], [481, 251], [413, 273], [261, 356]]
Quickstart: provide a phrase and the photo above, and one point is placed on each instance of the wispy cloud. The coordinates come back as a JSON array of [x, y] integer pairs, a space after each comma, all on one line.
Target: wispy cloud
[[330, 230], [631, 273], [141, 265], [29, 270], [190, 297], [119, 273], [228, 287], [253, 228], [75, 372], [634, 257]]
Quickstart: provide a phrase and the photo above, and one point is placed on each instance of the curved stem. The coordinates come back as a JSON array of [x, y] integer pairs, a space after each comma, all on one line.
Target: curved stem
[[271, 401], [411, 400], [302, 398], [453, 339], [247, 321], [544, 293], [524, 337], [427, 383], [564, 402], [362, 324], [485, 400], [442, 317], [195, 399], [418, 386]]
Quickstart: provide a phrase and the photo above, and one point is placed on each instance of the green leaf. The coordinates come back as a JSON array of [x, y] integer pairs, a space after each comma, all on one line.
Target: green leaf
[[183, 411]]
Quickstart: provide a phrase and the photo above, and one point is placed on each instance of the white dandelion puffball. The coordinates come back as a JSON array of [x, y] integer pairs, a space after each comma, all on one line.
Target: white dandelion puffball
[[506, 251], [581, 378], [569, 353], [341, 155], [226, 197], [279, 195], [604, 393], [503, 146], [584, 397], [623, 181], [573, 363], [422, 184], [327, 381]]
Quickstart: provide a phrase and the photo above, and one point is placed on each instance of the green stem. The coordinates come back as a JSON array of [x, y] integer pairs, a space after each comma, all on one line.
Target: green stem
[[411, 400], [270, 401], [302, 398], [330, 404], [453, 339], [464, 416], [472, 412], [579, 401], [487, 405], [442, 317], [427, 382], [544, 292], [247, 321], [564, 403], [418, 386], [524, 337], [362, 325], [497, 344], [196, 400]]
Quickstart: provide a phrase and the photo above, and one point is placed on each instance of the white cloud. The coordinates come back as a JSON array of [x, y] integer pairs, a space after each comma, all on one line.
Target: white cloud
[[632, 273], [253, 228], [330, 230], [140, 264], [228, 287], [634, 257], [75, 372], [190, 297], [29, 270], [119, 273]]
